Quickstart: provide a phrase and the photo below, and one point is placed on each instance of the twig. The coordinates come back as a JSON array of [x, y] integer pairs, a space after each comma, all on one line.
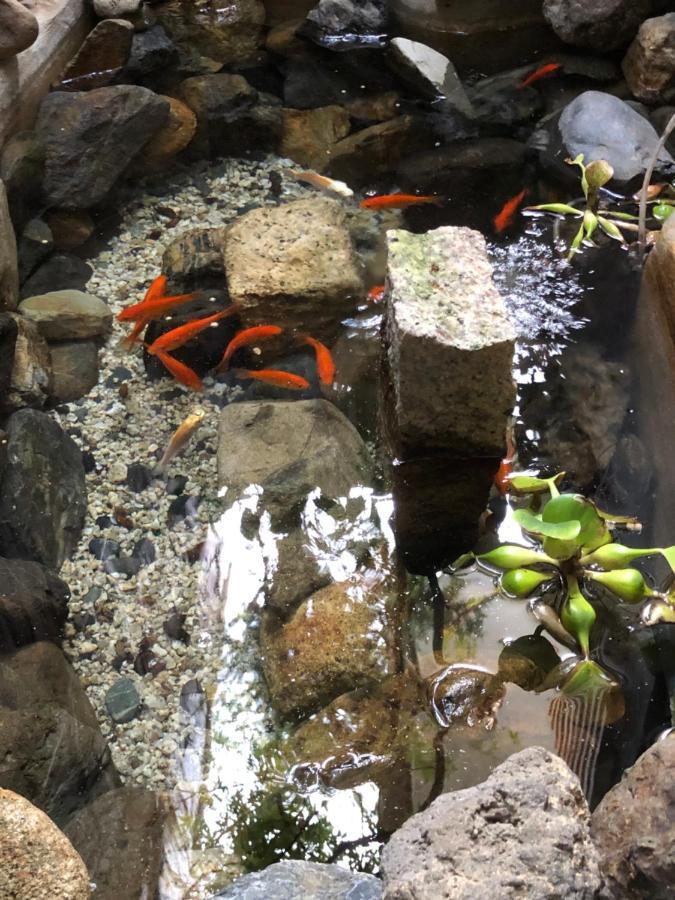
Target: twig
[[642, 218]]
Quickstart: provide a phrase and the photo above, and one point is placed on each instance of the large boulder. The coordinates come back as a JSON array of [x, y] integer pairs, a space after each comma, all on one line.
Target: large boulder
[[449, 344], [429, 72], [602, 25], [18, 28], [9, 270], [101, 57], [292, 879], [362, 156], [310, 133], [633, 828], [25, 362], [43, 492], [295, 265], [68, 315], [37, 861], [33, 604], [524, 832], [649, 65], [91, 137]]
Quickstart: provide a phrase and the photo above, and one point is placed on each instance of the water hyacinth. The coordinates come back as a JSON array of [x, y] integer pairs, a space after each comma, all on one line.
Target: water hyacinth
[[628, 584], [615, 556], [522, 582], [578, 616], [513, 556]]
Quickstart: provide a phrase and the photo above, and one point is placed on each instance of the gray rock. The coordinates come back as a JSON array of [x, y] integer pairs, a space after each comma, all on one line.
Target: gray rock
[[111, 9], [9, 270], [18, 28], [152, 53], [74, 369], [67, 315], [344, 23], [43, 492], [35, 244], [22, 170], [427, 70], [633, 828], [101, 57], [295, 574], [123, 701], [26, 361], [91, 137], [293, 879], [649, 65], [120, 837], [602, 25], [195, 257], [449, 344], [33, 606], [61, 272], [524, 832], [460, 160]]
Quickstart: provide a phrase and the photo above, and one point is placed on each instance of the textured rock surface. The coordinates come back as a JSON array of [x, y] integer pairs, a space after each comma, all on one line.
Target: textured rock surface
[[66, 315], [33, 605], [429, 72], [333, 643], [37, 861], [296, 573], [171, 138], [18, 28], [61, 272], [524, 832], [292, 879], [294, 264], [649, 65], [74, 369], [601, 25], [346, 22], [377, 149], [120, 837], [101, 58], [9, 271], [449, 344], [108, 9], [43, 491], [309, 133], [195, 258], [91, 137], [633, 828], [26, 355]]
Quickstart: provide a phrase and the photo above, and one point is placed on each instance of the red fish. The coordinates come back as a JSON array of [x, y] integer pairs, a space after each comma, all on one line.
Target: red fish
[[182, 373], [155, 308], [542, 72], [398, 201], [324, 361], [276, 377], [249, 336], [502, 478], [175, 338], [376, 294], [506, 214]]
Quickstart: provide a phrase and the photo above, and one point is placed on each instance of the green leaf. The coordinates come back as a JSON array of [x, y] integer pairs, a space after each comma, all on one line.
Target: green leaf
[[522, 582], [530, 484], [562, 531], [628, 584], [663, 211], [598, 173], [616, 556], [668, 554], [579, 161], [576, 243], [562, 209], [610, 229], [590, 224], [466, 559], [569, 507], [628, 217], [586, 680], [578, 616], [657, 612], [617, 520], [513, 556]]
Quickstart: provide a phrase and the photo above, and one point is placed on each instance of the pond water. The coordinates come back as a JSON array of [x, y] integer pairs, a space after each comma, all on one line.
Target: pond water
[[308, 669]]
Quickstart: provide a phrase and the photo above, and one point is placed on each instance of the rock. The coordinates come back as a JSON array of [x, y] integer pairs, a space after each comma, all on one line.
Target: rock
[[521, 833], [449, 344], [103, 548], [9, 271], [120, 837], [295, 574], [74, 369], [70, 229], [374, 151], [138, 477], [196, 258], [64, 315], [291, 879], [452, 165], [309, 133], [633, 828], [649, 65], [310, 84], [110, 9], [602, 26], [38, 860], [290, 448], [373, 109], [61, 272], [294, 264], [128, 566], [174, 628], [428, 72], [91, 137], [123, 701], [101, 58], [345, 23], [144, 551], [36, 243], [153, 53], [206, 38], [171, 138], [333, 643], [33, 605], [26, 355], [18, 28], [43, 491]]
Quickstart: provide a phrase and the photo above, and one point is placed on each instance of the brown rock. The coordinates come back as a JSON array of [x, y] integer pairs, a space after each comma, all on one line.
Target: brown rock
[[74, 369], [333, 643], [33, 604], [283, 39], [70, 228], [171, 138], [195, 256], [295, 574], [64, 315], [376, 150], [37, 861], [9, 269], [18, 28], [101, 58], [28, 354], [633, 828], [649, 65], [373, 109], [309, 133]]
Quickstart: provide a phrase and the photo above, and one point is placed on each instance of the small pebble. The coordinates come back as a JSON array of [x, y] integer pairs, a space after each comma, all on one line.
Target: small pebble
[[176, 485], [175, 628], [104, 549], [123, 701], [117, 473], [138, 477], [123, 565], [144, 550]]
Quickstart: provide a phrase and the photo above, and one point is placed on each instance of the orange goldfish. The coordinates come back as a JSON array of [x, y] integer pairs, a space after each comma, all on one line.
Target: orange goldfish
[[249, 336], [398, 201], [505, 216], [276, 377], [376, 294], [175, 338], [502, 478], [154, 308], [542, 72], [324, 361], [182, 373]]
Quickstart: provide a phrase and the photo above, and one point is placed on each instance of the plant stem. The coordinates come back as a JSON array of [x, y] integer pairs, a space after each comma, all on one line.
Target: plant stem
[[642, 217]]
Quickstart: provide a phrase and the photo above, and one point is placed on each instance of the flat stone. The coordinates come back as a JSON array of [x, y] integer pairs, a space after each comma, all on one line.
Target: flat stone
[[602, 25], [524, 832], [649, 65], [64, 315], [110, 9], [292, 879], [61, 272], [429, 72], [38, 860], [633, 828], [101, 58], [74, 369], [449, 344], [309, 133], [9, 270], [18, 28], [33, 607], [376, 150], [123, 701], [26, 355], [294, 264], [195, 257]]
